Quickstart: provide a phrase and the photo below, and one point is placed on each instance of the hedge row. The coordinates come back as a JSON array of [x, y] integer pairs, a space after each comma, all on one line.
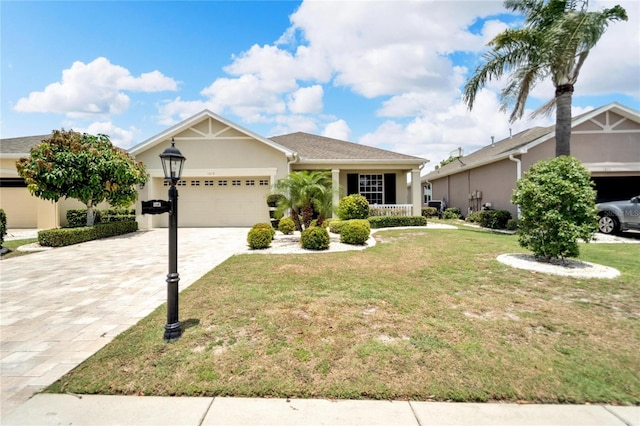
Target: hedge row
[[492, 219], [78, 217], [394, 221], [60, 237]]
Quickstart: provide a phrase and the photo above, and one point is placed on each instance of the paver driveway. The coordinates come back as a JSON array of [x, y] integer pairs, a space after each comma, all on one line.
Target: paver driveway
[[60, 306]]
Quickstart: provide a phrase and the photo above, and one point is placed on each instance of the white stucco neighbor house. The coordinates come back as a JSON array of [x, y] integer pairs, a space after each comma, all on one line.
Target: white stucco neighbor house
[[228, 173]]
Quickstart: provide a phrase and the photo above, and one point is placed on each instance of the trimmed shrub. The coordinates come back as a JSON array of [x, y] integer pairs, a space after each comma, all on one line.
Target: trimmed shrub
[[494, 219], [286, 226], [273, 199], [557, 204], [60, 237], [394, 221], [452, 213], [512, 224], [474, 217], [335, 225], [315, 238], [429, 211], [354, 206], [116, 215], [266, 226], [259, 238], [355, 231], [78, 217], [3, 226]]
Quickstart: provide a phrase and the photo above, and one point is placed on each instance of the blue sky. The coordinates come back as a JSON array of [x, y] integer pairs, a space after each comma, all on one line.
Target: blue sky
[[385, 74]]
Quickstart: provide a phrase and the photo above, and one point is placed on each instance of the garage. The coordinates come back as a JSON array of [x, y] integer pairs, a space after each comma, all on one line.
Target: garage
[[614, 188], [18, 204], [207, 202]]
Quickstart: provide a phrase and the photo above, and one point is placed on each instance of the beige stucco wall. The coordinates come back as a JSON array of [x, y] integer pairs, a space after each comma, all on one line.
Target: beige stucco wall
[[221, 154]]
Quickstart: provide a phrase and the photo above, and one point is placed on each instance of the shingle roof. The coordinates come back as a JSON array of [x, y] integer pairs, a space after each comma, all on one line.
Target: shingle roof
[[21, 145], [313, 147], [525, 139], [485, 155]]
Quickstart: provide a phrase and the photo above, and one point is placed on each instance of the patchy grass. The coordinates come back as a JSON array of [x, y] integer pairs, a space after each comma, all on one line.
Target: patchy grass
[[425, 314], [14, 244]]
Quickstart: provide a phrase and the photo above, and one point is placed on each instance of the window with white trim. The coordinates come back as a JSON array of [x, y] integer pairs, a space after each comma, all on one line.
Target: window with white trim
[[208, 183], [250, 182], [222, 183], [372, 188], [236, 182], [264, 182], [195, 183]]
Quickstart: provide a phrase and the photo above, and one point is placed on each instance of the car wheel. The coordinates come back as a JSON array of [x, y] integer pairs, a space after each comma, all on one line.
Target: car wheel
[[608, 224]]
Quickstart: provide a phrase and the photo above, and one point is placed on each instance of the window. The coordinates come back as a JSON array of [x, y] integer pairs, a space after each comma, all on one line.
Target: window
[[264, 182], [181, 183], [372, 188], [236, 182], [208, 183], [250, 182], [222, 183], [195, 183]]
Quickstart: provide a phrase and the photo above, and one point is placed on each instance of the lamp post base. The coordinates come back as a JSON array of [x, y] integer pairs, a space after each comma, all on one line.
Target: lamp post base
[[172, 332]]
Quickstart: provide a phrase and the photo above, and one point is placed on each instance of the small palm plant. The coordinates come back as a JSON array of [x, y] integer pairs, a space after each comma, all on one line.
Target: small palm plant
[[305, 194]]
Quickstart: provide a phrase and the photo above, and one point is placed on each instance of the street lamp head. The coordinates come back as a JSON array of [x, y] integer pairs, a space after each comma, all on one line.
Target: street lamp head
[[172, 161]]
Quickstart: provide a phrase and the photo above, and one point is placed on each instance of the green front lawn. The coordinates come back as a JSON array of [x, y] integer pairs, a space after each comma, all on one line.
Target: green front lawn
[[425, 314], [14, 244]]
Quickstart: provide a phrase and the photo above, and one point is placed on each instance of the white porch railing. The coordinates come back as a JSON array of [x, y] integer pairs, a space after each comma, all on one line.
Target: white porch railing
[[390, 210]]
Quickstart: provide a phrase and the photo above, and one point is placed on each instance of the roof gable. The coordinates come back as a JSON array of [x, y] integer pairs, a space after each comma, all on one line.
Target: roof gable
[[608, 117], [314, 148], [204, 125]]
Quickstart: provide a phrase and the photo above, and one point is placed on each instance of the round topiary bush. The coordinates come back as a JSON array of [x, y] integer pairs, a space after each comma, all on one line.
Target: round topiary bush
[[557, 204], [259, 238], [274, 199], [266, 226], [354, 206], [315, 238], [286, 226], [355, 232]]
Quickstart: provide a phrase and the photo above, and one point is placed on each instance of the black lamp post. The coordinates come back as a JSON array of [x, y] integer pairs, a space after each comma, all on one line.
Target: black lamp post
[[172, 162]]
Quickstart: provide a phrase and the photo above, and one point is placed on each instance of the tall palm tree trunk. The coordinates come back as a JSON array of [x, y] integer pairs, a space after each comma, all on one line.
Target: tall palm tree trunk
[[564, 96]]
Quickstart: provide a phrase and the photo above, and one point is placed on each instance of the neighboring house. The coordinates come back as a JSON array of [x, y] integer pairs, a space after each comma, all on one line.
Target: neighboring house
[[606, 140], [228, 173]]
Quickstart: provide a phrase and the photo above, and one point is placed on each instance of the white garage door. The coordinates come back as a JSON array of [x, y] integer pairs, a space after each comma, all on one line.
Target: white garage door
[[235, 201]]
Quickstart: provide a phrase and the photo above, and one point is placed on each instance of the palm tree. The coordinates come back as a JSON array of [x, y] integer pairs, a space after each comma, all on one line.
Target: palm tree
[[306, 193], [554, 42]]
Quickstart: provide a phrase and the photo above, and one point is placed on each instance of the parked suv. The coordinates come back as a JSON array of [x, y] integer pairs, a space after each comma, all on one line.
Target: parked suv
[[617, 216]]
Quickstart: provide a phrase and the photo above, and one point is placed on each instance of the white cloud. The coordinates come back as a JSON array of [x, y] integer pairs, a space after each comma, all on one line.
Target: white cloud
[[338, 129], [118, 136], [92, 89], [306, 100], [395, 54]]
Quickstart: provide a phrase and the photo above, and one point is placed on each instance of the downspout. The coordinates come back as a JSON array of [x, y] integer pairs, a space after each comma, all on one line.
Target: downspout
[[294, 159]]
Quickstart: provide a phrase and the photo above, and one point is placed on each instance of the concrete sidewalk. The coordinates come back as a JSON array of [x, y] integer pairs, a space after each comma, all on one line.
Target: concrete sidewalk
[[53, 409]]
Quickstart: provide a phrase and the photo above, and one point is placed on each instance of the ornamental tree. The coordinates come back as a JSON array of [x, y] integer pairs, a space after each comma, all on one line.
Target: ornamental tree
[[557, 203], [82, 166]]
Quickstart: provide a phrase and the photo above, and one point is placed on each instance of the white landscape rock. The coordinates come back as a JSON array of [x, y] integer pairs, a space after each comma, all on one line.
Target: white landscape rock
[[570, 268]]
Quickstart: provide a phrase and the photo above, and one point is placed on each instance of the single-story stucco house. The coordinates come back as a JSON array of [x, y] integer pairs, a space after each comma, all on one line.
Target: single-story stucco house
[[228, 173], [606, 140]]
